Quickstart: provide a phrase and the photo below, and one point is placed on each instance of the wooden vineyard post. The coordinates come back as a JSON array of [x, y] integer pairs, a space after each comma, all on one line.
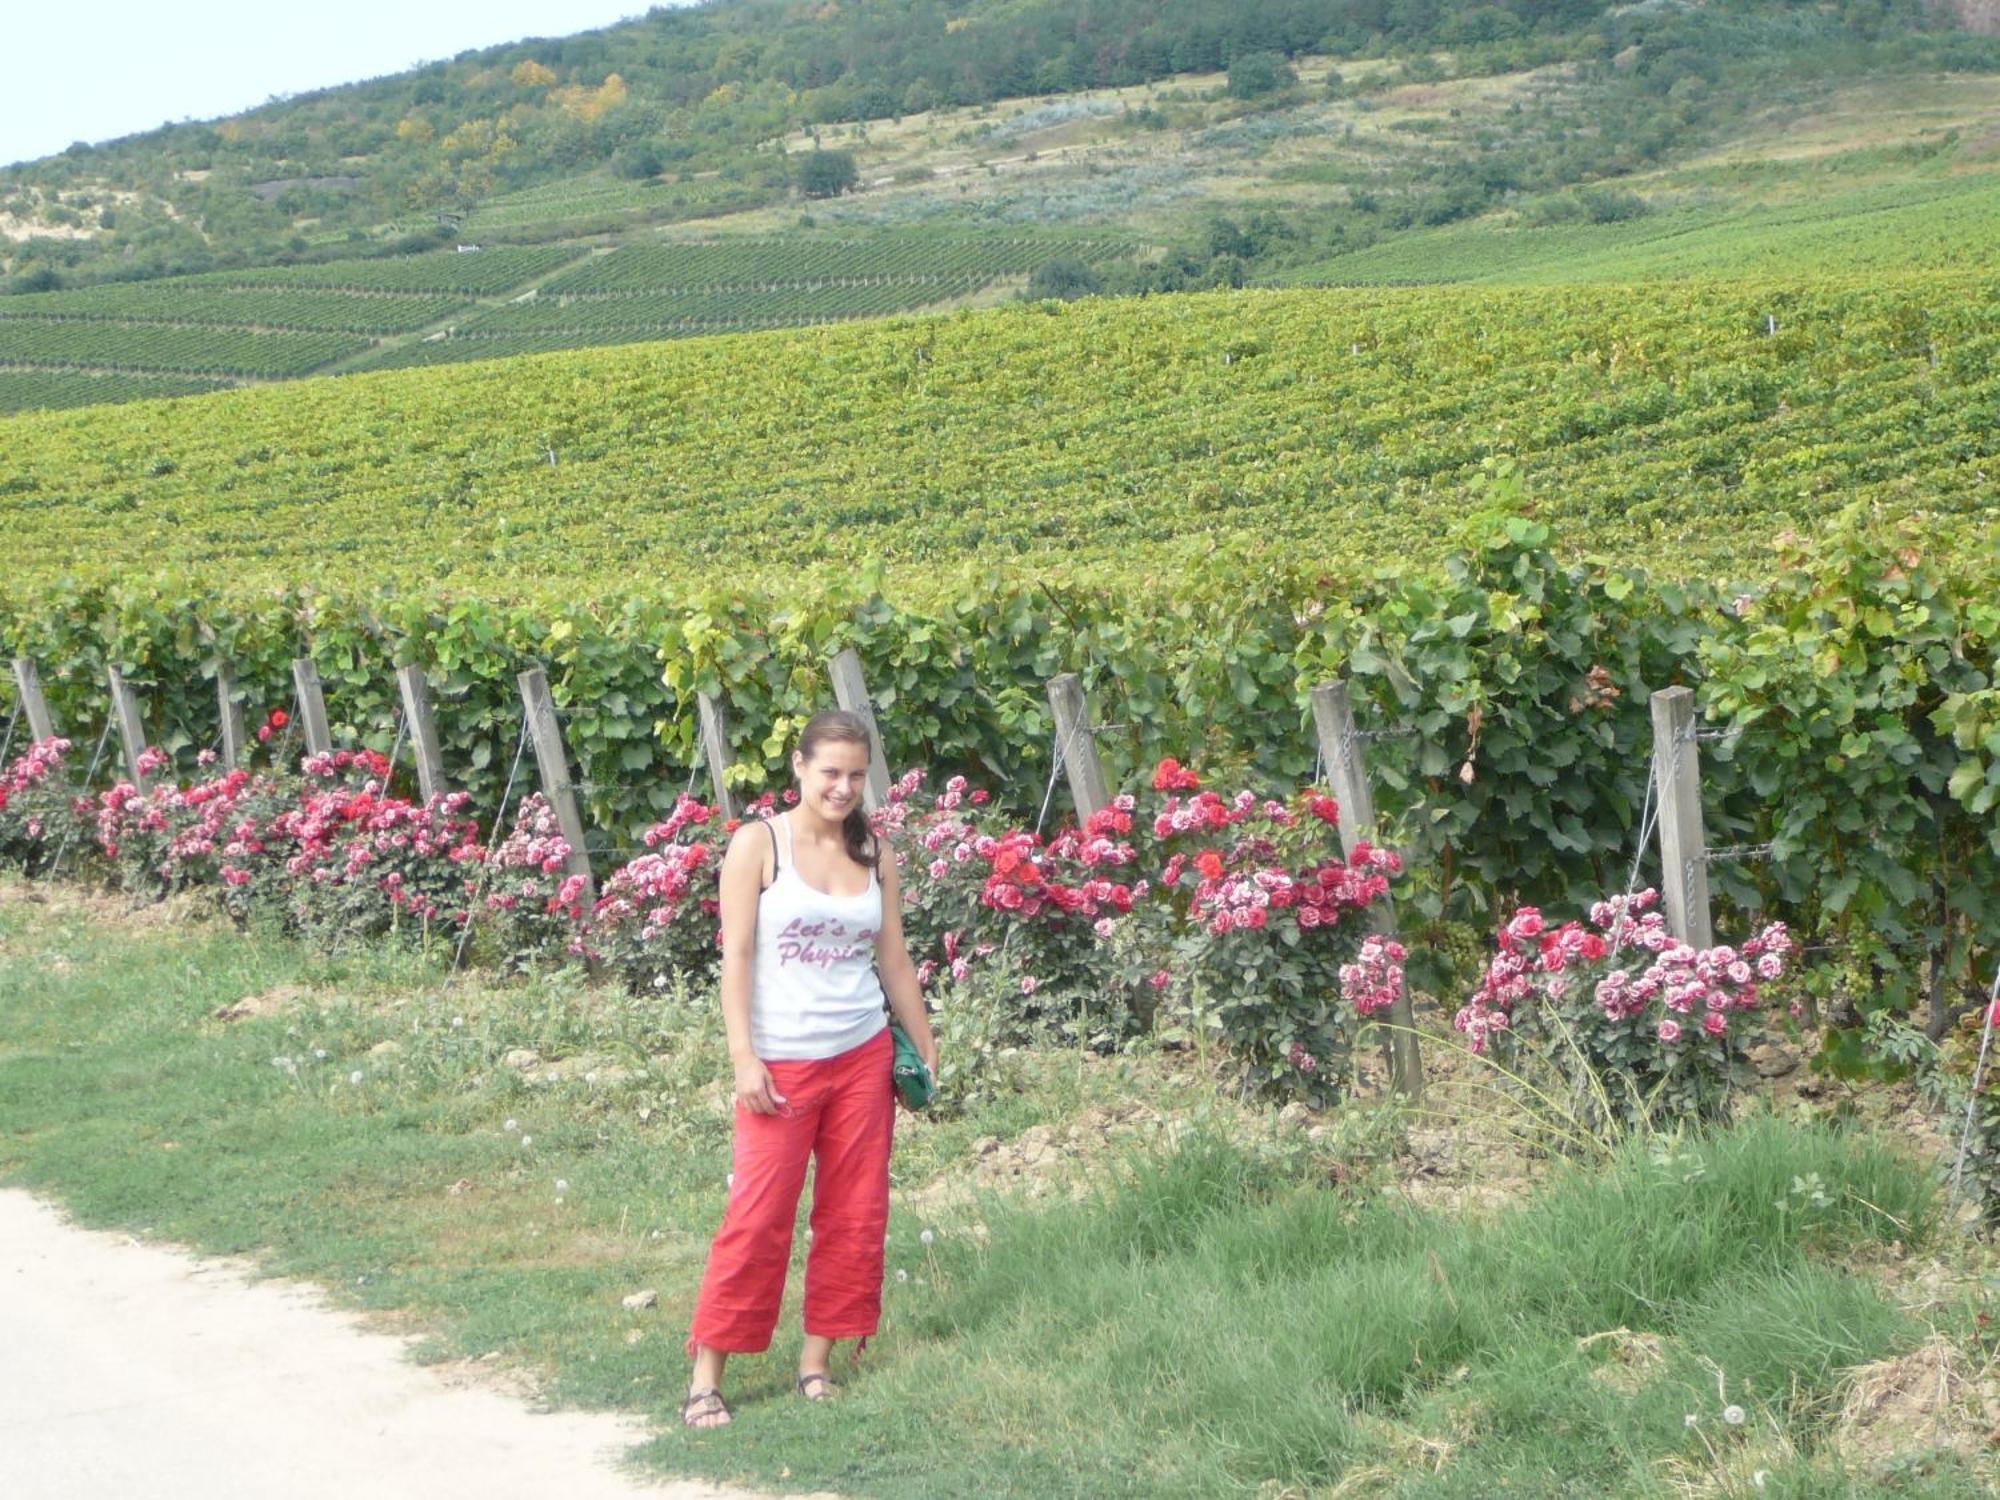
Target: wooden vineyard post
[[131, 730], [230, 712], [851, 693], [1340, 750], [552, 763], [423, 731], [28, 687], [312, 707], [715, 749], [1683, 842], [1076, 744]]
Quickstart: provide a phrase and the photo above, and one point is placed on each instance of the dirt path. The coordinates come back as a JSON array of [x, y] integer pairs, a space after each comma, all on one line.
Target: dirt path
[[133, 1369]]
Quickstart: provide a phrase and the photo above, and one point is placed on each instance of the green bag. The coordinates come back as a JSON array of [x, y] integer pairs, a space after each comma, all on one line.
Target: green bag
[[914, 1084]]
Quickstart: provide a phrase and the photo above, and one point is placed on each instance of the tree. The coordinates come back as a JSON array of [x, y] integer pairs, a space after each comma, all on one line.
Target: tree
[[827, 174], [1256, 74], [1066, 278], [637, 159], [37, 276]]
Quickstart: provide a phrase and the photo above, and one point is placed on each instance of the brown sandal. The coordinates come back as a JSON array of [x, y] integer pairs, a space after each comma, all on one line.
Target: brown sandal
[[706, 1403], [827, 1388]]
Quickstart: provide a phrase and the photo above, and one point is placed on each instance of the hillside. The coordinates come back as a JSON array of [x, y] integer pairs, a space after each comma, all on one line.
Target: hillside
[[696, 114], [697, 91], [1342, 179]]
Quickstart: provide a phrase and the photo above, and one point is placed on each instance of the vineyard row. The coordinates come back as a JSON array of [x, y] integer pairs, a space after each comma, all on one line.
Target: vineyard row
[[1850, 699]]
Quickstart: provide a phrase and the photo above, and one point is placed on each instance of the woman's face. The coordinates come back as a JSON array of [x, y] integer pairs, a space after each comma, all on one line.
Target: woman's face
[[831, 782]]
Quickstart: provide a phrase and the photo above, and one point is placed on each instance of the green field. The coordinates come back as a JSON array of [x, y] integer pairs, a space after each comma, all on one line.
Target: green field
[[641, 292], [1947, 223], [83, 344], [584, 204], [259, 307], [1683, 425], [467, 274], [269, 323], [22, 390], [282, 322]]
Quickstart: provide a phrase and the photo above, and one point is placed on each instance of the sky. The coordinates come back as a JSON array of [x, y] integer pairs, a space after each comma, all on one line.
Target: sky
[[93, 70]]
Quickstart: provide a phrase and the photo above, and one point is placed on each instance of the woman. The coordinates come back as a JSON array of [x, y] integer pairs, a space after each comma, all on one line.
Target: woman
[[810, 910]]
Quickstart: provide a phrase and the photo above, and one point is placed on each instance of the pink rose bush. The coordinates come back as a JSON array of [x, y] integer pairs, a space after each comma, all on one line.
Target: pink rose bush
[[1240, 908], [1272, 938], [528, 904], [328, 852], [658, 914], [36, 808], [362, 862], [1653, 1021], [1234, 916]]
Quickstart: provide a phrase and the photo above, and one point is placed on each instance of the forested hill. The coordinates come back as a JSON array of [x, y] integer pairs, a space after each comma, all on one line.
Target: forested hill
[[701, 94]]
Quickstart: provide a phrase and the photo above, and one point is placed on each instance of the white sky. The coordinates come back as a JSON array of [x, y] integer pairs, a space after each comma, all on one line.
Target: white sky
[[93, 70]]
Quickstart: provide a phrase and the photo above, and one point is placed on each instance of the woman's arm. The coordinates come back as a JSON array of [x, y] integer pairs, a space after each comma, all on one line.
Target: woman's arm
[[892, 960], [741, 876]]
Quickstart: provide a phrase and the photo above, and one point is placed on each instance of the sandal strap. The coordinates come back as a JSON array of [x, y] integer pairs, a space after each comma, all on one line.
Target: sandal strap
[[697, 1398]]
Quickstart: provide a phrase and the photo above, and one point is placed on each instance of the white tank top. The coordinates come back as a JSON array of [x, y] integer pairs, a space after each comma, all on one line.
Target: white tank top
[[814, 992]]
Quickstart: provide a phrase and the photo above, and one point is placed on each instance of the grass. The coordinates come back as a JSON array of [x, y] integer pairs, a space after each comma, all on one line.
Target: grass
[[1209, 1317], [1840, 229]]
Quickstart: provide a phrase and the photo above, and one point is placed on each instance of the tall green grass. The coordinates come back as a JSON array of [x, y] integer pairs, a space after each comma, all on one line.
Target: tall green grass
[[1209, 1321], [1201, 1327]]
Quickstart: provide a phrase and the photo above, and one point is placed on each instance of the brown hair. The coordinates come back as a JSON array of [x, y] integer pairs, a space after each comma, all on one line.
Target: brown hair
[[841, 724]]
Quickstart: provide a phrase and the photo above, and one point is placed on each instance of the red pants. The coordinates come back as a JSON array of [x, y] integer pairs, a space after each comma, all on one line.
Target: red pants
[[841, 1111]]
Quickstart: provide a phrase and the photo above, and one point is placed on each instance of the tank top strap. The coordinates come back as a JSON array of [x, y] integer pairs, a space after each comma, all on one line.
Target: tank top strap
[[785, 823]]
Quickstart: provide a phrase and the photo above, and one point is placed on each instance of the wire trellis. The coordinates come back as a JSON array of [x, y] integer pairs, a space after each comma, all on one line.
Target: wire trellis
[[1064, 743], [396, 749], [89, 776], [1978, 1077], [486, 865], [285, 739]]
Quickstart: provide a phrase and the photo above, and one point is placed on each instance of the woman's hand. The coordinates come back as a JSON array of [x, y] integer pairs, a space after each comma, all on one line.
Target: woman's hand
[[754, 1089], [925, 1041]]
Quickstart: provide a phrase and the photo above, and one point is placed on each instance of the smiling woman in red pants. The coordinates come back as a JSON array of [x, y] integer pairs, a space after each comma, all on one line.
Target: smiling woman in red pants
[[810, 913]]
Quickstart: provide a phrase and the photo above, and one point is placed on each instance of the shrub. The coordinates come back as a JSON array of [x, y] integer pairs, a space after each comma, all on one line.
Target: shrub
[[1066, 278], [657, 915], [528, 903], [1270, 945], [362, 863], [638, 160], [1255, 74], [159, 841], [35, 807], [827, 174], [1633, 1021], [1236, 916]]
